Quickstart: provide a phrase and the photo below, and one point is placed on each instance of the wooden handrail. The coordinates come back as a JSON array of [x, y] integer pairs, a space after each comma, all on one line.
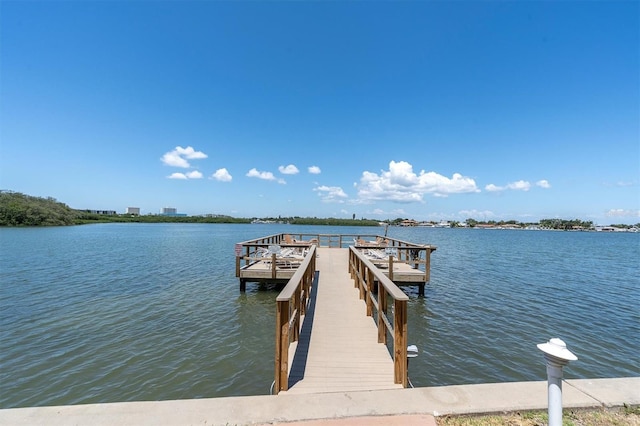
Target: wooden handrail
[[291, 305], [365, 274]]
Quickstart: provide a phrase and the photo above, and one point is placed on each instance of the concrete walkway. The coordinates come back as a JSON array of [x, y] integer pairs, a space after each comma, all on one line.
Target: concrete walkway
[[407, 407]]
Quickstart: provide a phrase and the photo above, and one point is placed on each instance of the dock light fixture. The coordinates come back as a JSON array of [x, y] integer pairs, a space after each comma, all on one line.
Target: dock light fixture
[[412, 352], [557, 356]]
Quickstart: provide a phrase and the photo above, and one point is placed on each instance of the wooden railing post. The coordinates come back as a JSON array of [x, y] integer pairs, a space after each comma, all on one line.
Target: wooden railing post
[[282, 346], [382, 309], [273, 266], [368, 298], [361, 280], [297, 303], [400, 342]]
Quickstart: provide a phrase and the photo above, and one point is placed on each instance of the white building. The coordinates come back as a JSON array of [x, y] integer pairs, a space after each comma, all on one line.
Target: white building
[[133, 210]]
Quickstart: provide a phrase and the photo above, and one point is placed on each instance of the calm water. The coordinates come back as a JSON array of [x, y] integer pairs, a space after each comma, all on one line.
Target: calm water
[[122, 312]]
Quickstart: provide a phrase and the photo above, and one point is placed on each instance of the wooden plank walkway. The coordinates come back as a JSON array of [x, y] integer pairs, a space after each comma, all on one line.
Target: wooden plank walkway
[[338, 350]]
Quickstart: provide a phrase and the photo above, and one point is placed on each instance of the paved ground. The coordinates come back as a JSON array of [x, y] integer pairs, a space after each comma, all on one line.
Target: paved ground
[[407, 407], [399, 420]]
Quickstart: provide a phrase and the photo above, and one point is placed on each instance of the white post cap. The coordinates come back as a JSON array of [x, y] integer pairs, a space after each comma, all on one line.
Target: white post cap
[[558, 349]]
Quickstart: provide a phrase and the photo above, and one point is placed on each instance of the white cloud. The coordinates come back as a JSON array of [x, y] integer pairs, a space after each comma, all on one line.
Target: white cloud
[[314, 170], [394, 212], [179, 156], [264, 176], [177, 176], [623, 213], [331, 194], [401, 184], [476, 214], [260, 175], [222, 175], [289, 170], [521, 185], [190, 175]]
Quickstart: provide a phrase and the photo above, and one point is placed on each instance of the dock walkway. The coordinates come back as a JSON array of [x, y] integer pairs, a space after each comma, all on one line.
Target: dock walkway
[[338, 350]]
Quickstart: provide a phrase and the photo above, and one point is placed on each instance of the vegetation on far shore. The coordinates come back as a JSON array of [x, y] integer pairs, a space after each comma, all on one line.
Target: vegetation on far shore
[[17, 209]]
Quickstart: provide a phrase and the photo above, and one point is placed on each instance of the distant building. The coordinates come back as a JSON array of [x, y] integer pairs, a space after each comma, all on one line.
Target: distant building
[[105, 212], [133, 210], [171, 211]]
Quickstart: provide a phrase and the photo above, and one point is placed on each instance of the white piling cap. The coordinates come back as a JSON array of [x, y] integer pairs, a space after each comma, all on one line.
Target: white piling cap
[[558, 349]]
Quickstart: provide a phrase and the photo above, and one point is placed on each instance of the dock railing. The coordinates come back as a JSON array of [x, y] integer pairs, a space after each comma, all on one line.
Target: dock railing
[[291, 305], [416, 255], [365, 275]]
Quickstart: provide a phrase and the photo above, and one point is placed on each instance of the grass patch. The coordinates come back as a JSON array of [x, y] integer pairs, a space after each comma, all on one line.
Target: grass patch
[[624, 416]]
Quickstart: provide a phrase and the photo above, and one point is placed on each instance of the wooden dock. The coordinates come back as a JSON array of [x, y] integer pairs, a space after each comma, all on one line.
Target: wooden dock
[[338, 347], [341, 319]]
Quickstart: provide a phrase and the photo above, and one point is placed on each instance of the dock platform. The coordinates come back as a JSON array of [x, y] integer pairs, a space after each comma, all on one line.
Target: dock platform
[[275, 258]]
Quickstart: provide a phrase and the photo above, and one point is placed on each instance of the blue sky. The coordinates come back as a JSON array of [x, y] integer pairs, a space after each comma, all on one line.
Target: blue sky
[[425, 110]]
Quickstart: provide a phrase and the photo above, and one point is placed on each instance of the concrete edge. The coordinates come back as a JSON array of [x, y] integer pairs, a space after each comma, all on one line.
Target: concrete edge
[[270, 410]]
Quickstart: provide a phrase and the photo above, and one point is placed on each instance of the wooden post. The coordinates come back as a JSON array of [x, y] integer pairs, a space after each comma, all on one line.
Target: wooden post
[[297, 303], [382, 309], [282, 347], [305, 292], [362, 280], [273, 266], [368, 296], [391, 267], [400, 342], [427, 266]]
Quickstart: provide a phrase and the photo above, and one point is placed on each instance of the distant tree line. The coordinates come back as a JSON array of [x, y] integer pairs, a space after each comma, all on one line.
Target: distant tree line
[[556, 224], [331, 221], [18, 209], [85, 218], [565, 225]]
